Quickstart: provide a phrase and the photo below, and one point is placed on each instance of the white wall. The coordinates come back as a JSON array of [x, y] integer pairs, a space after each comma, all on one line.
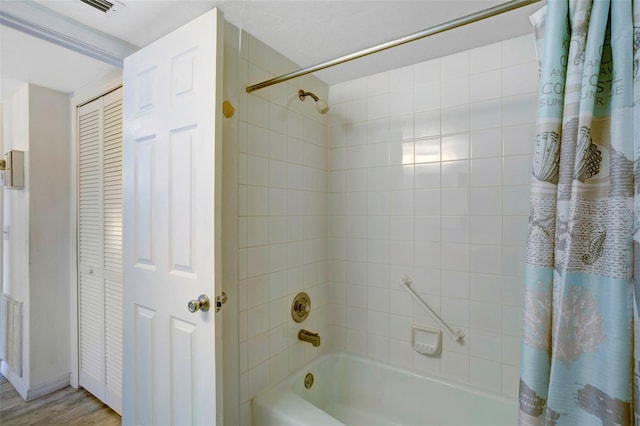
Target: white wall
[[15, 280], [37, 256], [429, 177], [50, 250]]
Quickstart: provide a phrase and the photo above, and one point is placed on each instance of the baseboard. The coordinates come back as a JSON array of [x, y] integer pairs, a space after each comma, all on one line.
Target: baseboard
[[14, 379], [48, 387]]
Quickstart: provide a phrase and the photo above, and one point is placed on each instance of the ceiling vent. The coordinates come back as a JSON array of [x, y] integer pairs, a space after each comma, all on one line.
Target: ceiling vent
[[101, 5]]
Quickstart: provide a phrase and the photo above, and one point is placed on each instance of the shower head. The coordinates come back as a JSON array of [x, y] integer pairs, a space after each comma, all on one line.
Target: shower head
[[321, 105]]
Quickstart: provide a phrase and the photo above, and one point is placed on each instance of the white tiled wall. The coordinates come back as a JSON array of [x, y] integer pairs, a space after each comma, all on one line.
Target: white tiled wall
[[429, 170], [282, 220]]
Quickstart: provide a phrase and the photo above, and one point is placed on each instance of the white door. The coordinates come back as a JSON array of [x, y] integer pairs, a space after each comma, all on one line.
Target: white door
[[172, 189]]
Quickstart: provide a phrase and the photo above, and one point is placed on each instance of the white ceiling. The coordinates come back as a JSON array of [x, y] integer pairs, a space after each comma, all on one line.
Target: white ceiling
[[308, 32]]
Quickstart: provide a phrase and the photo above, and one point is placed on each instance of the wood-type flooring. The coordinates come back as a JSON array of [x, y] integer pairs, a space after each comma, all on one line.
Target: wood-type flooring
[[68, 406]]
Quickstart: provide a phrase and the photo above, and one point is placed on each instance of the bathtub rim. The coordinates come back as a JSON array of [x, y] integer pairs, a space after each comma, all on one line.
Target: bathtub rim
[[299, 374]]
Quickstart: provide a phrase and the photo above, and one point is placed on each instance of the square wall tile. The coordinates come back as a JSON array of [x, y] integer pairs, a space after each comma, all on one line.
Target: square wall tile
[[486, 201], [484, 86], [378, 324], [456, 65], [486, 143], [455, 229], [427, 150], [401, 203], [455, 202], [401, 128], [485, 373], [377, 83], [517, 170], [426, 124], [377, 227], [402, 153], [519, 140], [455, 174], [427, 202], [401, 78], [401, 102], [455, 91], [427, 175], [378, 347], [455, 366], [518, 50], [455, 146], [515, 230], [400, 353], [485, 287], [455, 284], [377, 106], [486, 230], [426, 72], [427, 97], [486, 114], [486, 345], [519, 79], [455, 257], [486, 316], [427, 228], [485, 259], [519, 109], [486, 171], [485, 58], [401, 177], [401, 228]]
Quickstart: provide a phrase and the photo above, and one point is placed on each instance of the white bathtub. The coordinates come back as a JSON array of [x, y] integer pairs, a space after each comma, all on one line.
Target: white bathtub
[[349, 390]]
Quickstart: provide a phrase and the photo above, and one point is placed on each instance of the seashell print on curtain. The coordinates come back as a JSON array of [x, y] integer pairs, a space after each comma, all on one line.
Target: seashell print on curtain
[[546, 164], [588, 156], [579, 325]]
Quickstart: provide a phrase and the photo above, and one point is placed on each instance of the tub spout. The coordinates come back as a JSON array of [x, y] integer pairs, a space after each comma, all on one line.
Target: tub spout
[[307, 336]]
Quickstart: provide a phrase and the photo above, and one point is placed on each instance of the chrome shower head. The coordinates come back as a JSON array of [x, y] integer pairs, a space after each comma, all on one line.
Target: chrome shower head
[[321, 105]]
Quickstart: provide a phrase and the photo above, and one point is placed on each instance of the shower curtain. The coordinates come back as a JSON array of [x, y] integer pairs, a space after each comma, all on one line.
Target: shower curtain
[[580, 315]]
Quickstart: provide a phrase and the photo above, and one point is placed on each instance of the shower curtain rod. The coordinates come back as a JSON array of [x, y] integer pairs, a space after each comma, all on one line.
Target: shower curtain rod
[[455, 23]]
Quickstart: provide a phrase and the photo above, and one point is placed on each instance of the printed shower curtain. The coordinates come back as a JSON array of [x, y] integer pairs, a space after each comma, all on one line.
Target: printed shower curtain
[[577, 365]]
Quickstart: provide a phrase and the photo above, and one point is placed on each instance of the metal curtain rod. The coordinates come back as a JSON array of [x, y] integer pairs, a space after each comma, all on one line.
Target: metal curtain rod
[[455, 23]]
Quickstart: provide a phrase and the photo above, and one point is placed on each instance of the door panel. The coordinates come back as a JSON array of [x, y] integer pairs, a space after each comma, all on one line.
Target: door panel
[[144, 369], [171, 239]]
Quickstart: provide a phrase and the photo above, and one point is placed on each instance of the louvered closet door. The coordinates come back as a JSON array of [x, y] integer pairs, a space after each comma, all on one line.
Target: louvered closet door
[[100, 248]]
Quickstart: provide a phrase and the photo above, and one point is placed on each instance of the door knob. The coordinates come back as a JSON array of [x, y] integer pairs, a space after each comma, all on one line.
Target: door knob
[[202, 304]]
